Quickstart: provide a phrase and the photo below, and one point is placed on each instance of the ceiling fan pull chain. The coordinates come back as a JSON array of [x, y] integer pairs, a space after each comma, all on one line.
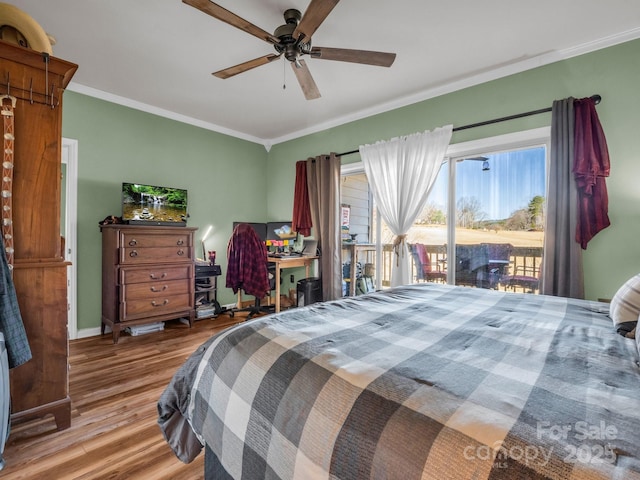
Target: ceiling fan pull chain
[[284, 74]]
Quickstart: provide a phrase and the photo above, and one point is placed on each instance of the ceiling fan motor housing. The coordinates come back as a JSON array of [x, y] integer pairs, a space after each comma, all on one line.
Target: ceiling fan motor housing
[[288, 44]]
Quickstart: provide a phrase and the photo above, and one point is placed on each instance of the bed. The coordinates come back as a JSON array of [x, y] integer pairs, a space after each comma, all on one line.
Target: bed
[[417, 382]]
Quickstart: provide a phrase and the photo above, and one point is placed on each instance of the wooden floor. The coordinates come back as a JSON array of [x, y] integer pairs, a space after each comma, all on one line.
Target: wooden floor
[[114, 390]]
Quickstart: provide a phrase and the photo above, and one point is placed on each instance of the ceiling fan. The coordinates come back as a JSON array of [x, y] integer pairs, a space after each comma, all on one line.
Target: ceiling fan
[[293, 40]]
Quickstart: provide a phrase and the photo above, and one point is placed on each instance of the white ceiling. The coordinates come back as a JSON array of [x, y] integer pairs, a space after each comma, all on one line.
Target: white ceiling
[[158, 55]]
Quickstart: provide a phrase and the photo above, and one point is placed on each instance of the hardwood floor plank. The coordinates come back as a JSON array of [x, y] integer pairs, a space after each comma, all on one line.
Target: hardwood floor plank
[[114, 390]]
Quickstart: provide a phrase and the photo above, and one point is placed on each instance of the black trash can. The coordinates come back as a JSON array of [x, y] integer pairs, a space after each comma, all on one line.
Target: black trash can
[[309, 291]]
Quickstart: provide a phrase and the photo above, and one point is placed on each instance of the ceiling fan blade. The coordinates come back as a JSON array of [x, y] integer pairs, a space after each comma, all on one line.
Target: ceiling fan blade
[[315, 14], [243, 67], [308, 85], [380, 59], [232, 19]]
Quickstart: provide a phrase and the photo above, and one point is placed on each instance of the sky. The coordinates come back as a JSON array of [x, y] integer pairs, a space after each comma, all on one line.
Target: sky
[[512, 180]]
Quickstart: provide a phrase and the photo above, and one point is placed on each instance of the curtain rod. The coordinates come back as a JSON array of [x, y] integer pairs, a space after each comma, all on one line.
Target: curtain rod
[[596, 98]]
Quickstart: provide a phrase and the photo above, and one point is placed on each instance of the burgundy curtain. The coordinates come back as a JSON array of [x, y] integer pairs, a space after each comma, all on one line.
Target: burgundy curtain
[[301, 222], [590, 168]]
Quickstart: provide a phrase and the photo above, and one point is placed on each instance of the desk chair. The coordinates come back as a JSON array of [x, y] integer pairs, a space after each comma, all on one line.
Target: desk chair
[[247, 268]]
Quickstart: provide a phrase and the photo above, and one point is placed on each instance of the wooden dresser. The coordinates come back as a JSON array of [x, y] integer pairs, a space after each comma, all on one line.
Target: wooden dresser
[[147, 275], [41, 385]]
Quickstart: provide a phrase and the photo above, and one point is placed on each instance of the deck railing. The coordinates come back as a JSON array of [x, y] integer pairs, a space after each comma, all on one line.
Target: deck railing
[[523, 261]]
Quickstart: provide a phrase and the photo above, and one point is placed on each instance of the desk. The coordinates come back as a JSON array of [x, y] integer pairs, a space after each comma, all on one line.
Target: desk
[[354, 249], [289, 262]]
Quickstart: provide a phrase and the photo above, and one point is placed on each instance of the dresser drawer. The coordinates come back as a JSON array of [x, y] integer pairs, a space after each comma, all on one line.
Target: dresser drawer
[[141, 255], [144, 239], [155, 273], [155, 306], [154, 290]]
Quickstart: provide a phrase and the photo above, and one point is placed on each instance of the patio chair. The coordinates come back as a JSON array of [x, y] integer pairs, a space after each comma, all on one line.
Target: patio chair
[[525, 277], [424, 268], [471, 265], [499, 258]]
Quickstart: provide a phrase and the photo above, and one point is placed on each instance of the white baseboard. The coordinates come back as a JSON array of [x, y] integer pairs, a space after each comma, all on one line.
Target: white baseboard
[[91, 332], [94, 332]]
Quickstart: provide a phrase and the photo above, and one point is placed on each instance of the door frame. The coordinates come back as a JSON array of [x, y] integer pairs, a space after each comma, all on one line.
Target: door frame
[[70, 158]]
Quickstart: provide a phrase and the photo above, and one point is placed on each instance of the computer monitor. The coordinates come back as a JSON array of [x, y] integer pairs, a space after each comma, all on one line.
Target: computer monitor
[[260, 228], [280, 231], [309, 247]]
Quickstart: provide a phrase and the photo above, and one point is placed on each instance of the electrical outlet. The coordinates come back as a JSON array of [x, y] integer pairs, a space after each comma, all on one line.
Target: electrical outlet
[[292, 278]]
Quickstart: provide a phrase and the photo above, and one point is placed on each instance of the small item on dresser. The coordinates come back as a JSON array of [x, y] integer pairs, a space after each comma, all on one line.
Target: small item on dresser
[[111, 220]]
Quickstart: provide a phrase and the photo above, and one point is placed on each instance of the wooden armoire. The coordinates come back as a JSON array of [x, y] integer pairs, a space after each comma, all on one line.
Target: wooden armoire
[[37, 81]]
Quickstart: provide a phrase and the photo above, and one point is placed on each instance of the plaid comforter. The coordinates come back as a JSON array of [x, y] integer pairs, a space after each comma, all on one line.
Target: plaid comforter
[[418, 382]]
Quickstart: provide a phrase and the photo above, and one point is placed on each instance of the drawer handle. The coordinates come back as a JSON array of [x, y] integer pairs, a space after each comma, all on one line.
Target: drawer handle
[[180, 253], [164, 287], [153, 276], [180, 242], [165, 302], [133, 242], [133, 253]]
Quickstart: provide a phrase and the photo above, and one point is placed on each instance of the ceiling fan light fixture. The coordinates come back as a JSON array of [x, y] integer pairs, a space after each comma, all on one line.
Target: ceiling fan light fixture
[[291, 53]]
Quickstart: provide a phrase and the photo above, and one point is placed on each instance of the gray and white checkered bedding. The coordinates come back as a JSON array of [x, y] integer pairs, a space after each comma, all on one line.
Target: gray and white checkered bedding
[[420, 382]]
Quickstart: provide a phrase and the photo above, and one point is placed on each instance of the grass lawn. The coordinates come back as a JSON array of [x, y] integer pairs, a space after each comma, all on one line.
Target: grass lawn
[[437, 235]]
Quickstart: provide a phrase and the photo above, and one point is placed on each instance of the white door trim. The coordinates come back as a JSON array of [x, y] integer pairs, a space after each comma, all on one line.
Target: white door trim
[[70, 157]]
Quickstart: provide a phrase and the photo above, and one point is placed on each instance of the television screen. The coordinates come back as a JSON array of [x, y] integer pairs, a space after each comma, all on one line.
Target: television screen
[[154, 205]]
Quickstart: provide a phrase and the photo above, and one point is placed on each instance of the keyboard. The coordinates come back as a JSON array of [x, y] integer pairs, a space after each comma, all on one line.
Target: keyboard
[[284, 255]]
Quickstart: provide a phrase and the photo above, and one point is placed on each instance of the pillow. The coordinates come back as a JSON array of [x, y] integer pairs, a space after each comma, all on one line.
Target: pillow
[[625, 306]]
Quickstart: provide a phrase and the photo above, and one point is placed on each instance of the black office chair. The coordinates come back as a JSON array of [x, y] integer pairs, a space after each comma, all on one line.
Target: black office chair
[[247, 268]]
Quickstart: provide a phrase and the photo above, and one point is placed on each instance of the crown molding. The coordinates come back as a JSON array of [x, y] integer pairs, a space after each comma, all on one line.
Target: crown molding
[[145, 107], [494, 74], [450, 87]]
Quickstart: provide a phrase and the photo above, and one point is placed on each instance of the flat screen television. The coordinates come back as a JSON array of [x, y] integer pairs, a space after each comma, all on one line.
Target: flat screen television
[[154, 205]]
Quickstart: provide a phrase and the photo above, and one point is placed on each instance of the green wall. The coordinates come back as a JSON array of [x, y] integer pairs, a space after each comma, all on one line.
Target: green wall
[[226, 176], [614, 254]]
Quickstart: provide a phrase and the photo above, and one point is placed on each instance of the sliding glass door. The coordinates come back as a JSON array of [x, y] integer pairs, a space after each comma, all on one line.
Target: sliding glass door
[[499, 219], [483, 224]]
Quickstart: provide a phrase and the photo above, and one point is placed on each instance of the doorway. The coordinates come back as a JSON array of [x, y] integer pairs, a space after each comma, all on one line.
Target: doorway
[[68, 226]]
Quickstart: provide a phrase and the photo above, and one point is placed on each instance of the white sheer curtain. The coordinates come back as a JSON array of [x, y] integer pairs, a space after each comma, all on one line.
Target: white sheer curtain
[[401, 173]]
